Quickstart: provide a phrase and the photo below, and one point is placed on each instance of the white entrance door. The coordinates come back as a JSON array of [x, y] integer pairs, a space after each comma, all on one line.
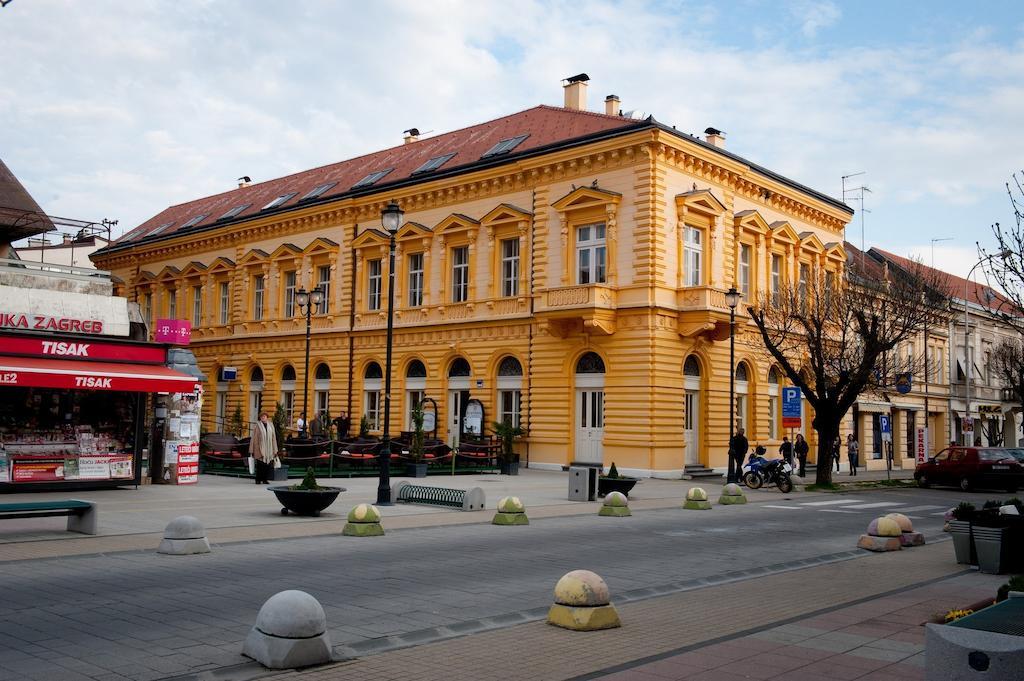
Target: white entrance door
[[589, 425], [457, 401], [691, 426], [255, 407]]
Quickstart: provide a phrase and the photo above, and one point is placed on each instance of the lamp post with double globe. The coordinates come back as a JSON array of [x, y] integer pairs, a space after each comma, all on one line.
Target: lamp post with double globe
[[391, 219], [307, 300]]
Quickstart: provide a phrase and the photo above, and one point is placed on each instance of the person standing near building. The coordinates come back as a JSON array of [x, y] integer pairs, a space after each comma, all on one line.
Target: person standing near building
[[738, 447], [801, 449], [263, 448], [786, 450], [836, 453], [852, 453]]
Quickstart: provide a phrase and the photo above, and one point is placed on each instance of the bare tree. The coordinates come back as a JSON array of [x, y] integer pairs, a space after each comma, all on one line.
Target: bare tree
[[1005, 266], [1007, 363], [836, 338]]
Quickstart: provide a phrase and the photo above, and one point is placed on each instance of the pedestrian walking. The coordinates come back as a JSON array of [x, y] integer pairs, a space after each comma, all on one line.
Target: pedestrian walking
[[263, 448], [801, 449], [852, 453], [836, 446], [738, 447], [786, 450]]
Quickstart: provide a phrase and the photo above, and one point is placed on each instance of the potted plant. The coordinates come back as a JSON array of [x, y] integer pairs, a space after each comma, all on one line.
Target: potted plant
[[364, 427], [235, 425], [306, 498], [415, 467], [960, 530], [613, 482], [506, 433]]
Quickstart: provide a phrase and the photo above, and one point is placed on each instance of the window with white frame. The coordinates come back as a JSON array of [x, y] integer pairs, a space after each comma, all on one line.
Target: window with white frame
[[776, 277], [939, 370], [591, 254], [510, 390], [373, 384], [741, 386], [415, 279], [225, 302], [805, 274], [197, 306], [460, 274], [147, 306], [257, 297], [693, 251], [289, 295], [288, 393], [322, 393], [415, 389], [744, 270], [221, 409], [510, 267], [172, 304], [374, 280], [323, 282], [774, 414]]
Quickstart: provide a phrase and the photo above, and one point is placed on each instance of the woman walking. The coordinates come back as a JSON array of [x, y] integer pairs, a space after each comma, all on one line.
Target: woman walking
[[852, 453], [263, 448]]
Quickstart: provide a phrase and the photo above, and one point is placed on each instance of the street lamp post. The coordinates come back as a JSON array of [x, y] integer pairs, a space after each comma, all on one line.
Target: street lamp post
[[306, 301], [732, 299], [391, 219]]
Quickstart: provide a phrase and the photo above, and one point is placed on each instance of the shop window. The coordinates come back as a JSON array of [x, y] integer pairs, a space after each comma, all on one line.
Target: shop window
[[257, 297], [323, 279], [460, 274], [459, 368], [373, 284], [591, 254], [415, 279], [225, 302], [510, 267], [693, 254], [740, 407], [289, 294]]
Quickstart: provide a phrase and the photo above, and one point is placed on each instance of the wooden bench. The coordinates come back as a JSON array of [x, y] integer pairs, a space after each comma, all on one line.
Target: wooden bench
[[82, 515], [466, 500]]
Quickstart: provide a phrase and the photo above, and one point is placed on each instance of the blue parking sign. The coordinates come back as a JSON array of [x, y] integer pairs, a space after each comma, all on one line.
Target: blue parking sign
[[792, 407], [884, 423]]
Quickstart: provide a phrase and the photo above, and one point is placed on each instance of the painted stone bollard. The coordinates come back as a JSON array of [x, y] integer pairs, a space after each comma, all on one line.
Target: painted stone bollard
[[616, 505], [510, 512], [363, 521], [582, 603], [697, 499], [184, 536], [732, 494], [907, 535], [290, 632], [883, 535]]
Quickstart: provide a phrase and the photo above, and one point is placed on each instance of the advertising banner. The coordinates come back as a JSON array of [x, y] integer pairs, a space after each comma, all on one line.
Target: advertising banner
[[173, 331], [121, 467], [49, 347], [5, 472], [94, 468], [921, 445], [188, 463], [38, 470]]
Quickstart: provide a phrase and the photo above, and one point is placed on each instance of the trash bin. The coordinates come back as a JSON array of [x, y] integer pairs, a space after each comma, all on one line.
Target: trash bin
[[279, 474], [582, 483]]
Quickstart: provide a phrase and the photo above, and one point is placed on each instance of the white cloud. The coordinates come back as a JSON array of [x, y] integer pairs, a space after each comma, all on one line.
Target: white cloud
[[814, 16]]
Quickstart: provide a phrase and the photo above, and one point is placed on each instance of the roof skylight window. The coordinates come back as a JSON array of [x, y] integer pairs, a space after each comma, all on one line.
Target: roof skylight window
[[505, 146], [433, 164], [194, 221], [160, 228], [372, 178], [318, 191], [234, 211], [278, 201]]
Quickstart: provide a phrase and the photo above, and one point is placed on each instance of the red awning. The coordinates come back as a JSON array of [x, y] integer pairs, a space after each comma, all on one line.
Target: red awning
[[69, 374]]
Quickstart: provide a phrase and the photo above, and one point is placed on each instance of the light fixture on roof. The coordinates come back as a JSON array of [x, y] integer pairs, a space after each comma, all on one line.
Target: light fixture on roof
[[244, 181]]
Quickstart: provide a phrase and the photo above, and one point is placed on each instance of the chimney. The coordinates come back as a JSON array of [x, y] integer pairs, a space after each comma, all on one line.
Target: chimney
[[576, 92], [612, 105], [68, 238], [244, 181], [715, 138], [411, 135]]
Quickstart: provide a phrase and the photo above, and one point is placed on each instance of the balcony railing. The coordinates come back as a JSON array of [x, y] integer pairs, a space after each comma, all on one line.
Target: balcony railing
[[569, 298]]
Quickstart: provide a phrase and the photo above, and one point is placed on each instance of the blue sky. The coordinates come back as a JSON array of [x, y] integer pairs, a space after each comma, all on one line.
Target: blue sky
[[117, 110]]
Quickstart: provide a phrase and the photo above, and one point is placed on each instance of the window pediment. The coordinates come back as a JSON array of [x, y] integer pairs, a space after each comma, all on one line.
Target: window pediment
[[583, 198], [146, 275], [809, 241], [506, 212], [320, 245], [255, 256], [169, 272], [413, 230], [371, 237], [193, 269], [834, 251], [285, 251], [222, 264], [751, 221], [699, 201], [457, 222], [782, 230]]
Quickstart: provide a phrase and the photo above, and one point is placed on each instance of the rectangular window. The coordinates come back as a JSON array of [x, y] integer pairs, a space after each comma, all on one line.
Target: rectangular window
[[741, 415], [510, 267], [225, 302], [373, 284], [288, 402], [322, 405], [257, 297], [744, 271], [412, 399], [372, 408], [805, 274], [776, 277], [220, 422], [508, 403], [289, 295], [172, 304], [773, 417], [197, 306], [147, 306], [323, 282], [939, 366], [693, 250], [460, 274], [591, 254], [415, 279]]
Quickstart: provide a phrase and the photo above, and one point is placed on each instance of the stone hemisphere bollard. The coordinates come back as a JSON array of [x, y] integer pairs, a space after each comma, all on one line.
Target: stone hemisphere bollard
[[907, 535], [510, 512], [883, 535], [697, 499], [582, 603], [616, 505], [363, 521], [290, 631], [732, 494], [184, 536]]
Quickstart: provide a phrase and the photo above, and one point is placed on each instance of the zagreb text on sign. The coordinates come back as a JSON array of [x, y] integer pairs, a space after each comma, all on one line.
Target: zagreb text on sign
[[39, 322]]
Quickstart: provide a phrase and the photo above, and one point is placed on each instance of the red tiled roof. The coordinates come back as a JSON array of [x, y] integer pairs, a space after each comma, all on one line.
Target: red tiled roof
[[977, 293], [545, 125], [862, 263], [20, 215]]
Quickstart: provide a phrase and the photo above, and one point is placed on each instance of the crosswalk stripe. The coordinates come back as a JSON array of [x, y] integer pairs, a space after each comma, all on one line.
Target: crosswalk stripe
[[791, 508], [835, 510], [876, 505], [918, 508], [830, 502]]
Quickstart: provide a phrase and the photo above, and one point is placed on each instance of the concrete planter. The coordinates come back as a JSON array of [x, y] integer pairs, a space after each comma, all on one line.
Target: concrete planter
[[308, 502], [415, 470], [606, 485], [963, 546], [508, 467]]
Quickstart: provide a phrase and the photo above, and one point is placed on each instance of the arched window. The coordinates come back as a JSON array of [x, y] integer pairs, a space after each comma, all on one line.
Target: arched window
[[741, 406], [373, 385], [415, 389], [510, 390], [288, 373], [590, 363], [256, 375], [691, 367], [322, 394], [288, 391], [741, 372], [415, 370], [323, 372], [373, 370], [255, 393], [459, 368], [773, 376]]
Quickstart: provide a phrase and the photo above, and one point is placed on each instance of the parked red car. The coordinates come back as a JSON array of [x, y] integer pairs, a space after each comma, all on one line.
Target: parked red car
[[968, 467]]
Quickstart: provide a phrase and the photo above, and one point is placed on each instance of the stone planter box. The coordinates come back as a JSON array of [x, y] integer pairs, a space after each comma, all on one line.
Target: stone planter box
[[415, 470], [305, 502], [508, 467], [963, 545], [606, 485]]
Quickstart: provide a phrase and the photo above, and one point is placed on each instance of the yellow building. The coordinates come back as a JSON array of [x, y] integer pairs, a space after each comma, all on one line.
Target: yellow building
[[566, 268]]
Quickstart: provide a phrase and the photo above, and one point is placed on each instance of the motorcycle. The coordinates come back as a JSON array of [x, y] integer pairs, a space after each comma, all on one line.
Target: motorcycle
[[760, 471]]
